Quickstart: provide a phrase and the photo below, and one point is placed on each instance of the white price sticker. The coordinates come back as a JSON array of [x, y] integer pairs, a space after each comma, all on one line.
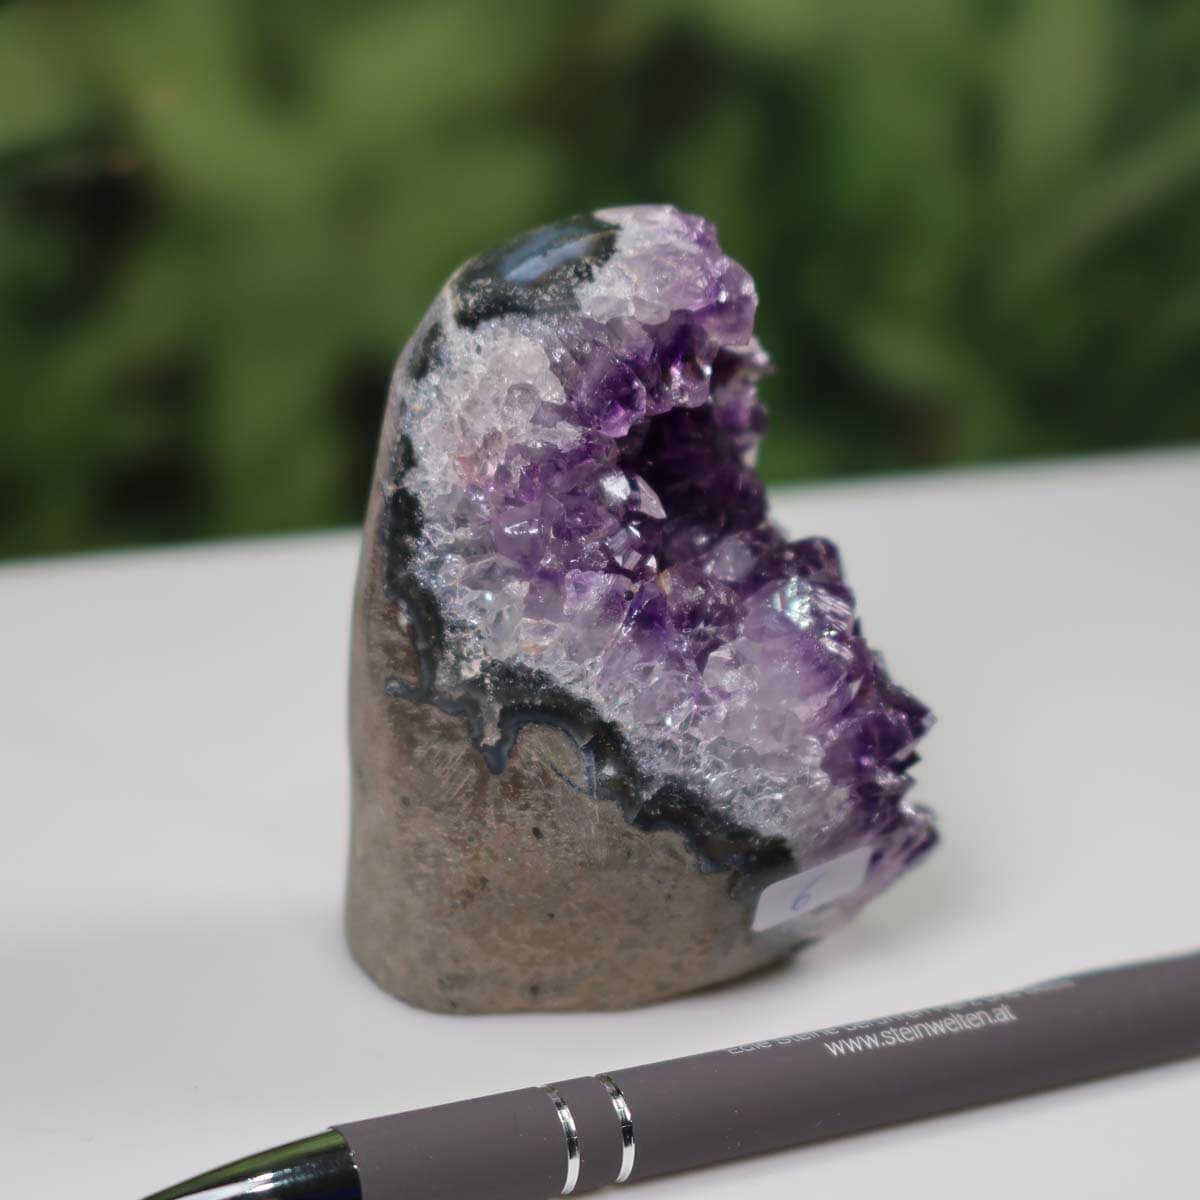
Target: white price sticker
[[810, 889]]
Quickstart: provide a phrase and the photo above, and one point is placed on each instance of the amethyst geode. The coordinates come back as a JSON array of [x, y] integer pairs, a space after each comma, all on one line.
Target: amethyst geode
[[599, 703]]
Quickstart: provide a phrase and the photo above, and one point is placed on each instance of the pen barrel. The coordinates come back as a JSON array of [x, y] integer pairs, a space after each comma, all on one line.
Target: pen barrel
[[807, 1087], [640, 1122]]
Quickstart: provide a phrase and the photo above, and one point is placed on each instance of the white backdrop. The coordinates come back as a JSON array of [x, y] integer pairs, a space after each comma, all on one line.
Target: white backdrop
[[174, 989]]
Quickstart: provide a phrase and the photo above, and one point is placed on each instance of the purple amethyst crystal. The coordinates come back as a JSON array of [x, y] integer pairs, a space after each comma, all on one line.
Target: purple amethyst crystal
[[574, 535]]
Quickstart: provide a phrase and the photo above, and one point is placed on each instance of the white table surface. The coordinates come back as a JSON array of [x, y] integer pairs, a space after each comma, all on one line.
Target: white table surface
[[174, 988]]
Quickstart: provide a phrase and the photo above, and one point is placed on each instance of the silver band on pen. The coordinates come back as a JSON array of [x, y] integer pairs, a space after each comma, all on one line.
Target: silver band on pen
[[621, 1108], [567, 1120]]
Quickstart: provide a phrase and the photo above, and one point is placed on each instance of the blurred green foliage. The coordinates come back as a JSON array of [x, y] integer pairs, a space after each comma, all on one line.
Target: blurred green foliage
[[975, 225]]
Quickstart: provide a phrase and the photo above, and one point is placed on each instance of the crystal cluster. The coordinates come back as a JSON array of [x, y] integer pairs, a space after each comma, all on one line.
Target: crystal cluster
[[574, 493]]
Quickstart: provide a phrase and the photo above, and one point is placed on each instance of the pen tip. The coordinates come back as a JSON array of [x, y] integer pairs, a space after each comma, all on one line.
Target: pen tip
[[314, 1168]]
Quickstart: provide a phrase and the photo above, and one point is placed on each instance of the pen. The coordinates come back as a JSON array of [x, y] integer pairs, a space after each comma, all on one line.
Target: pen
[[585, 1133]]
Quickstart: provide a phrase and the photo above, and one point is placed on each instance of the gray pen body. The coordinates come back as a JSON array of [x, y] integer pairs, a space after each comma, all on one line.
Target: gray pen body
[[689, 1112]]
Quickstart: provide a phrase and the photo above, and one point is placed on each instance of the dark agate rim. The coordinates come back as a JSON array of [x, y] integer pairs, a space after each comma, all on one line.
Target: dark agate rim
[[535, 272]]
